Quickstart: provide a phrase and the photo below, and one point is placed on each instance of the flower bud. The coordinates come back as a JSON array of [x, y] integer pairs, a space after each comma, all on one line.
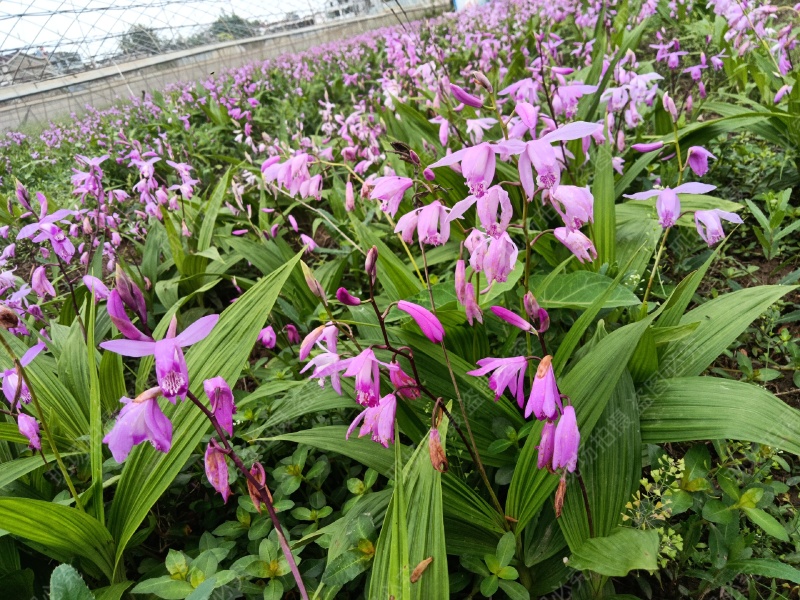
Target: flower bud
[[23, 197], [482, 81], [349, 197], [345, 297], [463, 96], [414, 158], [131, 295], [371, 264], [429, 175], [648, 146], [312, 283], [531, 305], [669, 106], [544, 321], [8, 318], [438, 456]]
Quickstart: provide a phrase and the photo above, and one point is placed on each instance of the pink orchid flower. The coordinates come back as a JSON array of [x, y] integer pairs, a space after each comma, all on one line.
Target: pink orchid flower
[[171, 370]]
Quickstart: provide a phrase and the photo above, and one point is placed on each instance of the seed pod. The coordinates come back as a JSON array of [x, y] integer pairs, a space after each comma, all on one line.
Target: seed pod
[[482, 81]]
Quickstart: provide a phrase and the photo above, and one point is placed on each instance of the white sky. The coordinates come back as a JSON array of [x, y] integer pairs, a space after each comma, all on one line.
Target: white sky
[[81, 25]]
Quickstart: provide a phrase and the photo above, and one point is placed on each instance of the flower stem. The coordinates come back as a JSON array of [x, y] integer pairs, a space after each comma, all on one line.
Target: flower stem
[[266, 496], [655, 268], [474, 452]]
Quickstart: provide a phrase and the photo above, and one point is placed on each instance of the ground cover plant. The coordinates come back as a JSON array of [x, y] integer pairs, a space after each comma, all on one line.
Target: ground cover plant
[[497, 304]]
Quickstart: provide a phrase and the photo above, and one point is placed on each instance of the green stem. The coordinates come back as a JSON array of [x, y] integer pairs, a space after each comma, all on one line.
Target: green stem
[[462, 406], [655, 268]]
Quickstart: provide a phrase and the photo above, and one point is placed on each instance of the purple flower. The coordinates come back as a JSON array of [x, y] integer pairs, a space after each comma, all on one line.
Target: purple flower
[[308, 242], [365, 367], [390, 190], [292, 334], [171, 370], [139, 420], [546, 443], [96, 286], [346, 298], [499, 258], [377, 420], [327, 364], [709, 224], [580, 245], [403, 383], [668, 205], [574, 204], [116, 311], [433, 226], [567, 441], [471, 306], [29, 427], [217, 469], [407, 224], [426, 320], [478, 165], [328, 333], [697, 159], [267, 337], [506, 373], [13, 384], [511, 318], [495, 199], [465, 97], [40, 284], [540, 156], [221, 397], [669, 106], [131, 295], [544, 400]]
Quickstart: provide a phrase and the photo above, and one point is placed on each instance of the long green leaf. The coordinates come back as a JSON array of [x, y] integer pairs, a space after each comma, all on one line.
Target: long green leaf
[[12, 470], [65, 530], [426, 537], [95, 419], [702, 408], [605, 220], [721, 320], [147, 473], [391, 573], [209, 215]]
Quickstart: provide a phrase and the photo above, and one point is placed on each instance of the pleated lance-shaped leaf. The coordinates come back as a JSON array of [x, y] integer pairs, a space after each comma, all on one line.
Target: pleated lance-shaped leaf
[[702, 408], [64, 530], [391, 570]]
